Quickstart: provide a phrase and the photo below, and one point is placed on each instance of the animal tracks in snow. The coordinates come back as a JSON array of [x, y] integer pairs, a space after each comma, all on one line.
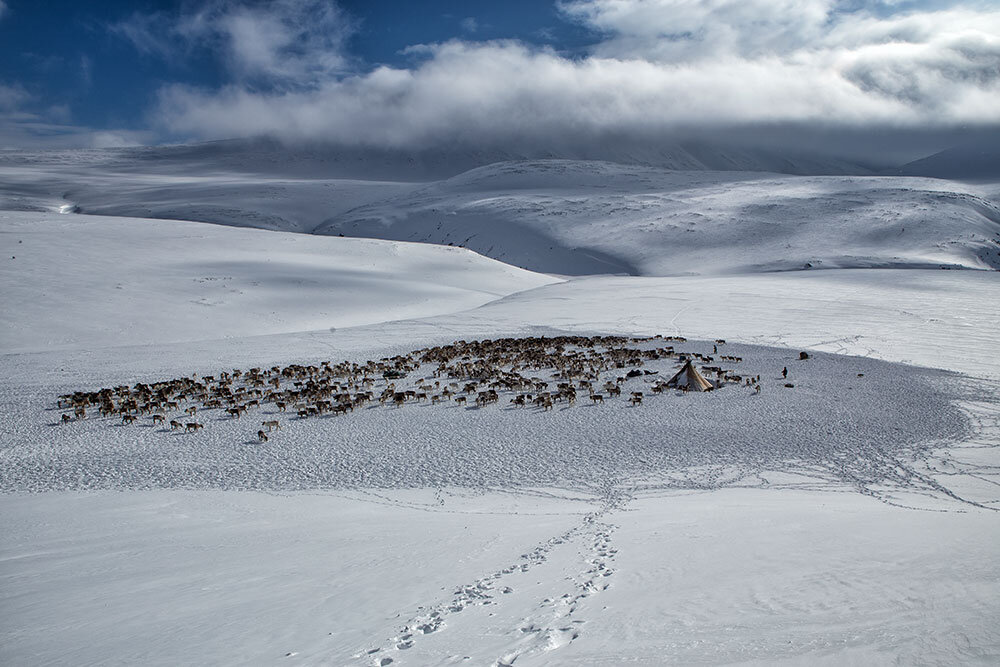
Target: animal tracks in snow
[[551, 623], [555, 624]]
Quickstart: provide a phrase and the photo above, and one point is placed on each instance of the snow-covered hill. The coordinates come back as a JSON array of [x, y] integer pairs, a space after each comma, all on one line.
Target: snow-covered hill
[[585, 218], [566, 217], [84, 282], [972, 162]]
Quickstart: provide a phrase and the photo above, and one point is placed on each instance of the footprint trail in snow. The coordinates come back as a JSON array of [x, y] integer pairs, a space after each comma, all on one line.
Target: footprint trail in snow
[[554, 621]]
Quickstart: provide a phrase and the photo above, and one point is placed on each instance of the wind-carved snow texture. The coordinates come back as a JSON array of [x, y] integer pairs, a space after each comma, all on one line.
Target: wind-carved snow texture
[[844, 419]]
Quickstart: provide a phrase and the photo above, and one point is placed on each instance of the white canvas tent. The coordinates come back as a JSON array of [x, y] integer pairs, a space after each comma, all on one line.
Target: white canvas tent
[[689, 379]]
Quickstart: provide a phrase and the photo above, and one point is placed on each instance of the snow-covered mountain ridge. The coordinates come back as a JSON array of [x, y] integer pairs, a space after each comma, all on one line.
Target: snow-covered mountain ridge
[[586, 218], [568, 217]]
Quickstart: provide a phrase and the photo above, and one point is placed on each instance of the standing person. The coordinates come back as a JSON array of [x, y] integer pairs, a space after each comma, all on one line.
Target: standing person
[[784, 372]]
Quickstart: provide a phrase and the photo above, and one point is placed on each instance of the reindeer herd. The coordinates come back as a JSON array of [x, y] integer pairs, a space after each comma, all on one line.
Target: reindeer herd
[[531, 372]]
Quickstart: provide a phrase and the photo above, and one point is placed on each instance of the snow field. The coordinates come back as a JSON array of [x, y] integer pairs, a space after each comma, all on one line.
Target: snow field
[[751, 577], [160, 578], [735, 576], [84, 282]]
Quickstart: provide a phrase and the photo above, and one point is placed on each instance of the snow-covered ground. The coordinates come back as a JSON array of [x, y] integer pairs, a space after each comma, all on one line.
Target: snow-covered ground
[[847, 520], [81, 282]]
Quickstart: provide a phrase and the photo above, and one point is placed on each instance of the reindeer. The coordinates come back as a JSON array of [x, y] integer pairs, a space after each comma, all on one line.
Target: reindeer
[[192, 411], [273, 424], [158, 419], [174, 424], [128, 419], [193, 427], [597, 398], [65, 419], [261, 436]]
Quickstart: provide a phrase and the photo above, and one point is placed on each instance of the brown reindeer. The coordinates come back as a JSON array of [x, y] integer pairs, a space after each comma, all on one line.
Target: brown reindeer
[[174, 424], [273, 424], [193, 427], [158, 419], [261, 436], [128, 419]]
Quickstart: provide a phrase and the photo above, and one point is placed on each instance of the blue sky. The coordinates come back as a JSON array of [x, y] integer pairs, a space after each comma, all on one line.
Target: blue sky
[[411, 74], [73, 68]]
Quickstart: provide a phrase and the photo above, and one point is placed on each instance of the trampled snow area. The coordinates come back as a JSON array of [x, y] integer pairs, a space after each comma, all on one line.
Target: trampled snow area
[[849, 519]]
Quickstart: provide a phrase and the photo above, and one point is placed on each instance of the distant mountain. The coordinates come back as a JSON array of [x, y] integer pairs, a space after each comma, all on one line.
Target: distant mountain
[[969, 162]]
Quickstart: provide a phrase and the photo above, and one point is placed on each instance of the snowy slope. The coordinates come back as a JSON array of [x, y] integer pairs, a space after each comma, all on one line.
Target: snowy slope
[[972, 162], [737, 576], [81, 282], [585, 218], [569, 217], [191, 192]]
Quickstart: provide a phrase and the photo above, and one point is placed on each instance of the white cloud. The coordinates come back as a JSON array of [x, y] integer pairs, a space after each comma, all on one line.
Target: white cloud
[[469, 24], [684, 30], [3, 8], [12, 97], [660, 66], [281, 43]]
